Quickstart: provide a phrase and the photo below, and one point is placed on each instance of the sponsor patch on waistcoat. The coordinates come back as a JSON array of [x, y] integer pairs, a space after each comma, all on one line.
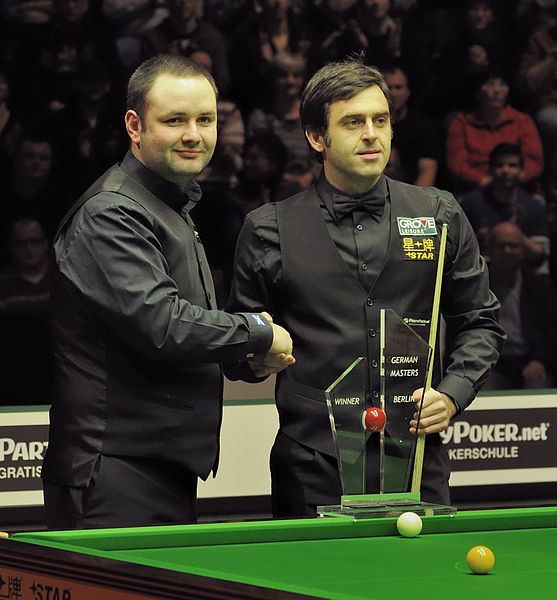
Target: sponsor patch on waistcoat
[[419, 248], [416, 225]]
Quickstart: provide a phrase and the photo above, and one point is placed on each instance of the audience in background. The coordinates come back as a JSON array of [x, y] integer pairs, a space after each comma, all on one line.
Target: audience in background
[[269, 28], [505, 199], [282, 118], [451, 66], [26, 369], [538, 76], [415, 137], [527, 314], [10, 126], [472, 135], [476, 47], [31, 185], [186, 28]]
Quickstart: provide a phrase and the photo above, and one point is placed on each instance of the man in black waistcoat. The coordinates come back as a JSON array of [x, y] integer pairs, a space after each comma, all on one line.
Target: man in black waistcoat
[[327, 260], [139, 341]]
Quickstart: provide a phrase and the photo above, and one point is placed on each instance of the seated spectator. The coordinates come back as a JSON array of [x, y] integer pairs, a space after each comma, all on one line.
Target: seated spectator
[[414, 135], [538, 76], [269, 27], [26, 369], [282, 118], [472, 135], [259, 182], [186, 28], [10, 127], [128, 22], [531, 15], [230, 124], [505, 199], [477, 45], [369, 26], [90, 131], [527, 314], [30, 185]]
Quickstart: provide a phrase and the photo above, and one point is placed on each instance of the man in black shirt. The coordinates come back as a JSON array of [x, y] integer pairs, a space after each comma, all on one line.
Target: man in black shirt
[[329, 259], [137, 411]]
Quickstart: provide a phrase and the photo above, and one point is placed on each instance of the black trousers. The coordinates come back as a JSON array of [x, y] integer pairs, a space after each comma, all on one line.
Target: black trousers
[[124, 492], [303, 478]]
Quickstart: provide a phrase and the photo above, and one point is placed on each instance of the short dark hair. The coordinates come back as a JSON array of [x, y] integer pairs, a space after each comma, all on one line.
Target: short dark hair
[[339, 80], [143, 78], [506, 149]]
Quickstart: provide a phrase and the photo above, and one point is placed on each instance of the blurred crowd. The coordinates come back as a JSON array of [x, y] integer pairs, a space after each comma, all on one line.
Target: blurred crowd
[[475, 91]]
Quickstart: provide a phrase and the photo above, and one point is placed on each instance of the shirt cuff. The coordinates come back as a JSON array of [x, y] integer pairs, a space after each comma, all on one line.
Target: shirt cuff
[[459, 390], [260, 336]]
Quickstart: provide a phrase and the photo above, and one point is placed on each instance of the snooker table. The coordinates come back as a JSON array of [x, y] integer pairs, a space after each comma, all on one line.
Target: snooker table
[[325, 557]]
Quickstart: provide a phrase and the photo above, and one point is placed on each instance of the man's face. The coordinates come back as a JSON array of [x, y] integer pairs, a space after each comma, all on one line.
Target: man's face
[[494, 92], [34, 160], [506, 171], [506, 248], [177, 136], [399, 88], [28, 244], [480, 15], [358, 142]]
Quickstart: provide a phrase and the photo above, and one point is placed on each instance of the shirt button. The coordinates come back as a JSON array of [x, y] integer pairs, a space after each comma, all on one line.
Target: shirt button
[[359, 227], [370, 302], [364, 267], [372, 332], [374, 363]]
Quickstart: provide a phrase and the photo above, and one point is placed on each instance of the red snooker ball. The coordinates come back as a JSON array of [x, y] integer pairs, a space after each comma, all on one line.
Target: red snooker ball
[[373, 419]]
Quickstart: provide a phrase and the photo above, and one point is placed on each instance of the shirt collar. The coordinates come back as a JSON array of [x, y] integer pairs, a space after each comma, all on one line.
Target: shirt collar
[[182, 201], [326, 191]]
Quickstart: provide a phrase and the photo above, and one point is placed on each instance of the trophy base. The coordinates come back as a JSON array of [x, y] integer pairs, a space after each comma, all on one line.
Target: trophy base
[[373, 506]]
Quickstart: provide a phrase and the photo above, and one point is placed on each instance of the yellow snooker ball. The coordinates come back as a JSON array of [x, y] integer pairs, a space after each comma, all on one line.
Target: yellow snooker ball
[[480, 559]]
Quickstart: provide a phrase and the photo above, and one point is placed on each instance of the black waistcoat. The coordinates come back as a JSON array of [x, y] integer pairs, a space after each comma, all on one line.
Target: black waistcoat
[[332, 318], [113, 400]]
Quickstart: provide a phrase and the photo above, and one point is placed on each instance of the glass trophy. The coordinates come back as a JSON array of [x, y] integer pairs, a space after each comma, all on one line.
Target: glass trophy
[[405, 358], [346, 401]]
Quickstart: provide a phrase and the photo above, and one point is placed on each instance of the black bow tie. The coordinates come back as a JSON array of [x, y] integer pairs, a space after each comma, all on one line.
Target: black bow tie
[[373, 202]]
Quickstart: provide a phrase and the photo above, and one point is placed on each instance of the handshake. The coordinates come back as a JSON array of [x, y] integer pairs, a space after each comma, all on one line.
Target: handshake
[[280, 353]]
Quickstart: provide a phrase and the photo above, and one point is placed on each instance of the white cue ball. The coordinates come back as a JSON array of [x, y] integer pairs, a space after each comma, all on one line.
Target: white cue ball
[[409, 524]]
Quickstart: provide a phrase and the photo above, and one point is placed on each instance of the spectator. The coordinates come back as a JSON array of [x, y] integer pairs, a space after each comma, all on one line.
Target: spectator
[[31, 186], [230, 125], [538, 76], [282, 118], [472, 135], [10, 126], [531, 15], [186, 29], [264, 158], [373, 27], [527, 314], [414, 135], [27, 361], [505, 199], [129, 21], [478, 44], [270, 27]]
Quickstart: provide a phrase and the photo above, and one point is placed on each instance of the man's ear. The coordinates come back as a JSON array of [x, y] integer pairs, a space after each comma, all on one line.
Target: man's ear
[[133, 126], [316, 141]]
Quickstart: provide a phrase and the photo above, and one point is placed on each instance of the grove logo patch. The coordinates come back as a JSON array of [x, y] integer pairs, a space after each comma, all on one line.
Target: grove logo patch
[[416, 225]]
